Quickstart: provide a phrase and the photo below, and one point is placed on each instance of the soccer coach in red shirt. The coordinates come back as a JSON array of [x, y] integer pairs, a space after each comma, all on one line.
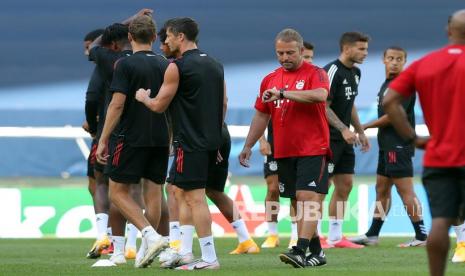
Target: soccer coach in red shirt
[[439, 79], [294, 97]]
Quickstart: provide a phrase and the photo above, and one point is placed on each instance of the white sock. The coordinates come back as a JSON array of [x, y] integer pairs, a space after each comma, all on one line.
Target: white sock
[[187, 235], [141, 252], [241, 230], [272, 228], [318, 227], [150, 235], [102, 224], [294, 234], [460, 232], [118, 245], [207, 247], [335, 229], [175, 233], [131, 234]]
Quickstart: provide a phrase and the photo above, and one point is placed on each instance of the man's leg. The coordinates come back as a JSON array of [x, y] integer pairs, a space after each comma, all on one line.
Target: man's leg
[[201, 217], [438, 245], [231, 213], [412, 205], [174, 231], [294, 225], [337, 206], [272, 210], [381, 210], [101, 207]]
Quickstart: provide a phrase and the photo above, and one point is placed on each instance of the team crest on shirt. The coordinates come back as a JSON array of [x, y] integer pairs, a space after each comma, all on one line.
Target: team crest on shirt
[[357, 79], [300, 85]]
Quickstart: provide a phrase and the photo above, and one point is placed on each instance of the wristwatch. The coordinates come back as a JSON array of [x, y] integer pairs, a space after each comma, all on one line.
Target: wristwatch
[[281, 93]]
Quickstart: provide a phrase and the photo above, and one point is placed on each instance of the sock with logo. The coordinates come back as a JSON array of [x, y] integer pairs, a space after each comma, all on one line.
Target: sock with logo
[[102, 224], [131, 234], [207, 246], [335, 230], [175, 233], [187, 235], [241, 230], [420, 230]]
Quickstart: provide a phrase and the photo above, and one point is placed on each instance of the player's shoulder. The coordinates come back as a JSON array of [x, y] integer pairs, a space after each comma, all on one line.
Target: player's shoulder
[[333, 65], [272, 74]]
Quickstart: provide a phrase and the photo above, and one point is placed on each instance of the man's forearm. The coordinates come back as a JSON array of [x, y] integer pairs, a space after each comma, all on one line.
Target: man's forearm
[[113, 116], [383, 121], [356, 121], [307, 96], [334, 120], [257, 128]]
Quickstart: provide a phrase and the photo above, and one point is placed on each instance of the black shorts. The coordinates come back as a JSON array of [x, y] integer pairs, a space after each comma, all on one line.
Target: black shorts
[[343, 160], [191, 169], [270, 167], [129, 164], [395, 163], [445, 188], [309, 173], [92, 159]]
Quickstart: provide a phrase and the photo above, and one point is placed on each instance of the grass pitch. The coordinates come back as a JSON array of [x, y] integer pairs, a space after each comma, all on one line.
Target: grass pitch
[[67, 257]]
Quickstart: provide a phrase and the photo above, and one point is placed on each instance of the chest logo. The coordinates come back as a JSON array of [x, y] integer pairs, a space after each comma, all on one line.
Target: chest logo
[[300, 84], [345, 81]]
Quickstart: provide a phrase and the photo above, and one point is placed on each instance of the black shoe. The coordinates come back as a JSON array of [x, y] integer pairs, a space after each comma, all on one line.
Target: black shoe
[[315, 260], [295, 257]]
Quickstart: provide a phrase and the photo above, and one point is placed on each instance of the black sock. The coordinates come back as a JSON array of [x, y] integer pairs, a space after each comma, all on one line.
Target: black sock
[[315, 246], [375, 227], [303, 244], [420, 230]]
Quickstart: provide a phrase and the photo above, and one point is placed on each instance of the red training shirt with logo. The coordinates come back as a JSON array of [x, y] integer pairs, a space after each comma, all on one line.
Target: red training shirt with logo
[[299, 129]]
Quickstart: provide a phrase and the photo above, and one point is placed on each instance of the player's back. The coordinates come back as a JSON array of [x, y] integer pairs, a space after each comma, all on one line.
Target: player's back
[[198, 105], [141, 126]]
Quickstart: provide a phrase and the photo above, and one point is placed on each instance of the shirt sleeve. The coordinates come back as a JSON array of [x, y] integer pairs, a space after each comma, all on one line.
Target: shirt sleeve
[[320, 80], [259, 105], [120, 82], [333, 82], [405, 82], [95, 86]]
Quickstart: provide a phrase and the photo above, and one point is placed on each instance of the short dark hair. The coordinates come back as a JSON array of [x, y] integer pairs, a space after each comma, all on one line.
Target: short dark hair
[[308, 45], [350, 38], [162, 35], [143, 29], [115, 33], [396, 48], [92, 35], [185, 25]]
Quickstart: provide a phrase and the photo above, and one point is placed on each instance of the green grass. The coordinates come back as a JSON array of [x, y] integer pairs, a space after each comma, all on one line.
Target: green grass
[[66, 257]]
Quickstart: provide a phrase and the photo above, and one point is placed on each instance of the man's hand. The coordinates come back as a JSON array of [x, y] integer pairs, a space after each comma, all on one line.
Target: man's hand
[[147, 12], [265, 148], [102, 152], [85, 126], [244, 157], [270, 95], [421, 142], [142, 95], [364, 142], [349, 136]]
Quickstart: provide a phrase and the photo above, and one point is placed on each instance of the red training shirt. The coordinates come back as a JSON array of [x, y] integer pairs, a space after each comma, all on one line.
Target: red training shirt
[[439, 79], [299, 129]]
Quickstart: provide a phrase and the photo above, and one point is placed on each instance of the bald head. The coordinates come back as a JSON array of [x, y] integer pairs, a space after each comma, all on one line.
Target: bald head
[[456, 27]]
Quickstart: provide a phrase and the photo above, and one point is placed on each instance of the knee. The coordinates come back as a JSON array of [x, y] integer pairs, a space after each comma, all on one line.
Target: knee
[[193, 200], [383, 191]]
